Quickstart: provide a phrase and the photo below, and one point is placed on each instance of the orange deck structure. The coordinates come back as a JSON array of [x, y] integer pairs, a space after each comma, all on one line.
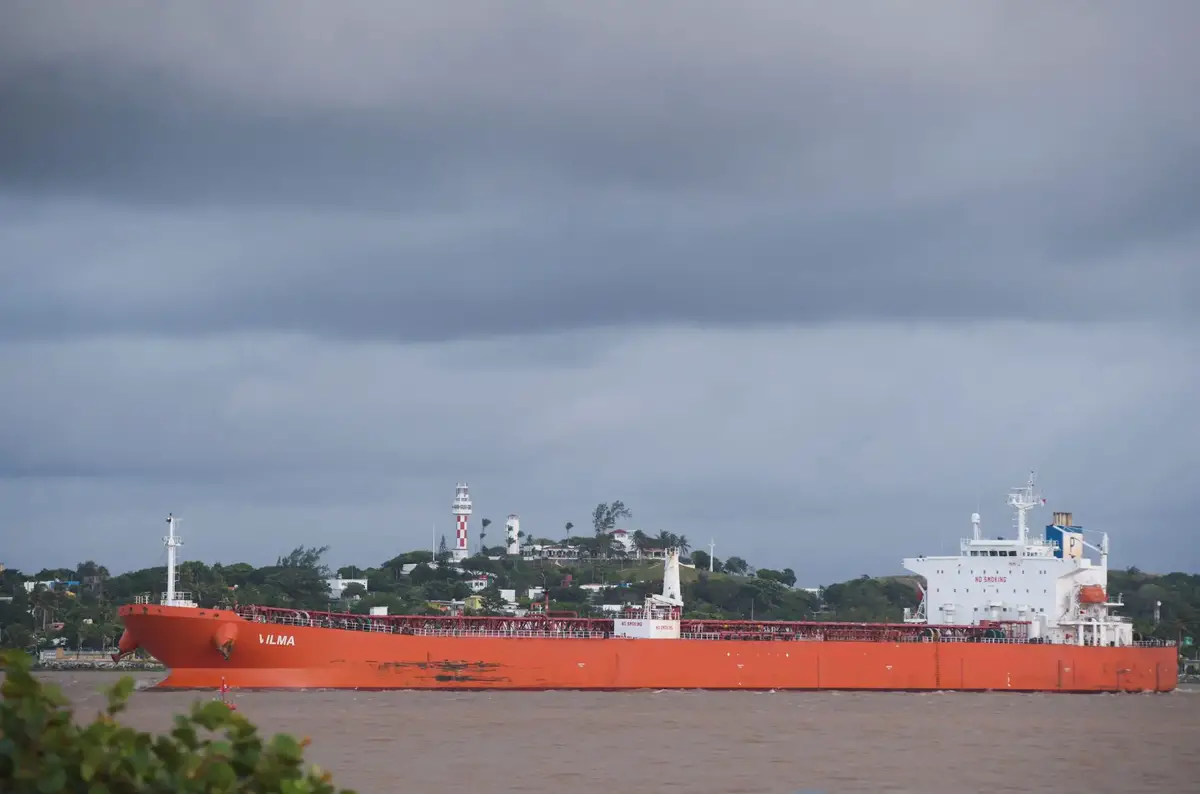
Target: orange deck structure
[[266, 648]]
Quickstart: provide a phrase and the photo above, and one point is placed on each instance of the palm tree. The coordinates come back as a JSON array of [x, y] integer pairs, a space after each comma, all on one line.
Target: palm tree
[[483, 525], [681, 543], [568, 528]]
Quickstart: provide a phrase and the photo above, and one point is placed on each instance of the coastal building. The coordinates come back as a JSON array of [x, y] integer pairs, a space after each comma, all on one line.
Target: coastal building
[[477, 583], [337, 585]]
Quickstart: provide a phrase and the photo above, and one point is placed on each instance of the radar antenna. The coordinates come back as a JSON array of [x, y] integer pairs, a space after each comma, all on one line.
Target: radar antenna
[[1024, 499]]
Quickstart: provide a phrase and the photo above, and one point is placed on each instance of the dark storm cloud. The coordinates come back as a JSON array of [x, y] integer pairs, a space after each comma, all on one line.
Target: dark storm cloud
[[839, 450], [292, 270], [425, 176]]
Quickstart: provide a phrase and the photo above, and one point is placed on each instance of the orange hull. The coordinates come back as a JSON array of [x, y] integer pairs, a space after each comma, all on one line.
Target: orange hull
[[193, 643]]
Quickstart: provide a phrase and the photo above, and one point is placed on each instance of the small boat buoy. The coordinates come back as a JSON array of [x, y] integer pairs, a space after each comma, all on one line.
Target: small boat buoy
[[224, 691]]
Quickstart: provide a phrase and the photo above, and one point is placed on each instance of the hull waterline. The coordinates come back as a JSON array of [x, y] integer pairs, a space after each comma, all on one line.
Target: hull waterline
[[203, 647]]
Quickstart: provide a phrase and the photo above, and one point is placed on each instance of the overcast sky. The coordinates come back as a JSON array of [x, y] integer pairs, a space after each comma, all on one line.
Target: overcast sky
[[815, 280]]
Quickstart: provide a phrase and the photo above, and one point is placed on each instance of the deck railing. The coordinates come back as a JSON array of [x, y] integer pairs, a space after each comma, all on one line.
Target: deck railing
[[597, 628]]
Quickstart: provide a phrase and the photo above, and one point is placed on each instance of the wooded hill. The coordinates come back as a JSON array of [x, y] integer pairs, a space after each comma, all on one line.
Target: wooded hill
[[84, 615], [87, 612]]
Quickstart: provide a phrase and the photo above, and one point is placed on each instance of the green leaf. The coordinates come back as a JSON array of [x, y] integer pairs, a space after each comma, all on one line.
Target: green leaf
[[52, 781], [44, 749]]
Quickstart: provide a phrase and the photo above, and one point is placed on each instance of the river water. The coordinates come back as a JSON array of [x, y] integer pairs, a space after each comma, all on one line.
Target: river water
[[717, 742]]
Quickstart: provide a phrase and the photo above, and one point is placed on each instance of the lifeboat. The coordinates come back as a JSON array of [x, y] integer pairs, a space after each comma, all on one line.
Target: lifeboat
[[125, 646], [1092, 594], [224, 639]]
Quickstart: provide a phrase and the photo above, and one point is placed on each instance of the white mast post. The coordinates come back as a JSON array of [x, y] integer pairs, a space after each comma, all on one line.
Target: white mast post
[[1023, 500], [173, 541]]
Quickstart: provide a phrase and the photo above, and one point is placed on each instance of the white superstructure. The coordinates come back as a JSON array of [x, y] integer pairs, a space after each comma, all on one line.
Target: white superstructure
[[1047, 582], [659, 616]]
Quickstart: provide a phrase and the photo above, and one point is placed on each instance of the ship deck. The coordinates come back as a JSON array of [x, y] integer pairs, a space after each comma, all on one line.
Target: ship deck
[[551, 626]]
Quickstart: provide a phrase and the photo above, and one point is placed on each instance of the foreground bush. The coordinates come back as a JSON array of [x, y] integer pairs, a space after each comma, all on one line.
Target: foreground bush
[[43, 750]]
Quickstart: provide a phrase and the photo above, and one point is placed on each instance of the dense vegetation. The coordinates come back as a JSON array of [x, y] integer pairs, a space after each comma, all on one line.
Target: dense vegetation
[[43, 748], [84, 616]]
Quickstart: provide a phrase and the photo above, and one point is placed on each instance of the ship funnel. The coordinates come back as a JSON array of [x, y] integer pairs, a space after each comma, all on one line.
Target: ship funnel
[[1063, 520], [672, 592]]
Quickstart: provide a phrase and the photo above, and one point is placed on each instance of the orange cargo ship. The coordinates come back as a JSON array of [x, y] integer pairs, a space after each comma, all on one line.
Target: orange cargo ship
[[1062, 639]]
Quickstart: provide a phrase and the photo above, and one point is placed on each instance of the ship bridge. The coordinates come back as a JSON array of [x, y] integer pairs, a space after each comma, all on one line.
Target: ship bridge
[[1047, 582]]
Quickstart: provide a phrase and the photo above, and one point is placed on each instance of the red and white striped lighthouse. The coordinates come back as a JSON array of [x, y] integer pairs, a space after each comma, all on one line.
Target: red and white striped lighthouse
[[462, 516]]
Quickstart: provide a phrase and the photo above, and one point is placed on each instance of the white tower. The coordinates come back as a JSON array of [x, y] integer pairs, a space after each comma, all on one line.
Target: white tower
[[173, 541], [512, 532], [172, 598], [462, 516], [672, 593]]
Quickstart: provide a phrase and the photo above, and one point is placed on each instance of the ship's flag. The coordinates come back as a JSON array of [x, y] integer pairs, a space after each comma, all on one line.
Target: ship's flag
[[1043, 500]]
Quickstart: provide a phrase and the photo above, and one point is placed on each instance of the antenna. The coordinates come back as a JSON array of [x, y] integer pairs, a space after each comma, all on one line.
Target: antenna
[[172, 541], [1024, 499]]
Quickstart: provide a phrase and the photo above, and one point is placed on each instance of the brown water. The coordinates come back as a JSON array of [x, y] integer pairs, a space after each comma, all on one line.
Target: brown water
[[719, 743]]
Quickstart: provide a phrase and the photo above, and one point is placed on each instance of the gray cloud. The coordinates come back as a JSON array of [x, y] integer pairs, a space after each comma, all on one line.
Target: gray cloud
[[769, 275]]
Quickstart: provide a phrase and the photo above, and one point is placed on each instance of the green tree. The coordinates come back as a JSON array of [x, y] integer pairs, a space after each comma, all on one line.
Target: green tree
[[493, 604], [304, 557], [787, 576], [483, 525], [606, 516], [736, 565], [43, 748]]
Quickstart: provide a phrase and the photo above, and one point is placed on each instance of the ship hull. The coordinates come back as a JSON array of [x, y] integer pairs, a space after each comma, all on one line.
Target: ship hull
[[189, 643]]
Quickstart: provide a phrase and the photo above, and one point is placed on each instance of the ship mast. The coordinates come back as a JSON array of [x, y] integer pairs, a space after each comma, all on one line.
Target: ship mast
[[1023, 500], [173, 541]]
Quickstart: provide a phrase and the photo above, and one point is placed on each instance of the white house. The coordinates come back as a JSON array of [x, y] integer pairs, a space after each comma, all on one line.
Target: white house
[[337, 585]]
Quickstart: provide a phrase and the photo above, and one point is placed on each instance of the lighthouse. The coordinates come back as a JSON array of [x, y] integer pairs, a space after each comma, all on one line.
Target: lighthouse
[[512, 532], [462, 516]]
